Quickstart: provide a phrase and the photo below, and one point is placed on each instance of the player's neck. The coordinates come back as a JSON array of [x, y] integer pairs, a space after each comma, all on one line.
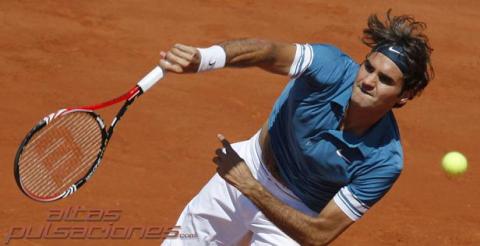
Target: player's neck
[[358, 120]]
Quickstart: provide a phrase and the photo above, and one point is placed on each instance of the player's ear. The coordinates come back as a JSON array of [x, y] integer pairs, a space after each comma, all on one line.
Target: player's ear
[[404, 97]]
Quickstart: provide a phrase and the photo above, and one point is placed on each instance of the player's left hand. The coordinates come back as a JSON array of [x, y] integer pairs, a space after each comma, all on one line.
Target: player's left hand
[[231, 167]]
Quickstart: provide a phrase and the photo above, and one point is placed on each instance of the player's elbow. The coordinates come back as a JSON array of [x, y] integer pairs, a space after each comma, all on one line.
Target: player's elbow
[[312, 235], [315, 240], [265, 51], [319, 233], [249, 52], [275, 57]]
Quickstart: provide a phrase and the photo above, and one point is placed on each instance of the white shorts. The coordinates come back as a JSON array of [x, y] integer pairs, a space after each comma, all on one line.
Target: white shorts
[[221, 215]]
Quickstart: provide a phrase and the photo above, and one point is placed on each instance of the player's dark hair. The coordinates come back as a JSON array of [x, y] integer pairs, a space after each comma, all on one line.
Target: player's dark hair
[[406, 32]]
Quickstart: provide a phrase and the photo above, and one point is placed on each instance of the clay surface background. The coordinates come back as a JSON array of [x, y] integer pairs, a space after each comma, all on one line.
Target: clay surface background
[[55, 54]]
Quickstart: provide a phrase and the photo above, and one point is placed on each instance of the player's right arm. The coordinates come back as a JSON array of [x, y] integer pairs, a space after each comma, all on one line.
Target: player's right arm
[[274, 57]]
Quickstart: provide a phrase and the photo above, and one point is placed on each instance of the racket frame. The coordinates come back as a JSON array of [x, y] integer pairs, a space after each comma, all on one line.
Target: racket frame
[[141, 87], [128, 97]]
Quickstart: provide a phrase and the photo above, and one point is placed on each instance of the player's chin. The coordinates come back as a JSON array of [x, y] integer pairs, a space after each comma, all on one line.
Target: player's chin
[[364, 101]]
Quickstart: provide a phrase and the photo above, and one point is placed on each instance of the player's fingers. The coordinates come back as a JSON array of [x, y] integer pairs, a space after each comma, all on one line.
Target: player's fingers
[[185, 55], [220, 153], [171, 57], [163, 54], [186, 48], [216, 160], [168, 66], [226, 144]]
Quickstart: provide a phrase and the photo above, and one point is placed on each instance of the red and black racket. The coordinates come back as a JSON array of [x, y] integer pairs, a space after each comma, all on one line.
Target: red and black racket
[[61, 153]]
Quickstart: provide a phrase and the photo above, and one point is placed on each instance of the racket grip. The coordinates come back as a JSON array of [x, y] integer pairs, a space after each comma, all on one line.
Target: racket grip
[[151, 78]]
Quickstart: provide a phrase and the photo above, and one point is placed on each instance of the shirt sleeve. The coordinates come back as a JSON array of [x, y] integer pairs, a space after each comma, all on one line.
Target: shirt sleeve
[[364, 191], [322, 63], [302, 61]]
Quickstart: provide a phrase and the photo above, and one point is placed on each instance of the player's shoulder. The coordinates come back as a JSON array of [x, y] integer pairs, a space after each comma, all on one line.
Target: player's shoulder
[[326, 50], [390, 158], [325, 47], [382, 163], [325, 63]]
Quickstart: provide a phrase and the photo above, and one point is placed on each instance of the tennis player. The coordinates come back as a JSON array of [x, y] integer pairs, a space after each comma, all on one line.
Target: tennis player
[[330, 148]]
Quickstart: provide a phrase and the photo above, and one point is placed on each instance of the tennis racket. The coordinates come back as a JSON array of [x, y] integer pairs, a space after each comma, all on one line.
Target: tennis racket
[[62, 151]]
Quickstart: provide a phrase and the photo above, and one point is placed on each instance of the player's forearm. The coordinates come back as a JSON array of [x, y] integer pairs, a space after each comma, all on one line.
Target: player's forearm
[[248, 52], [271, 56], [302, 228]]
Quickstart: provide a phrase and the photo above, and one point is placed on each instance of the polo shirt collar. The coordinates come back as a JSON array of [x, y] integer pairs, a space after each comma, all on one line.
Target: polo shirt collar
[[340, 102], [372, 139]]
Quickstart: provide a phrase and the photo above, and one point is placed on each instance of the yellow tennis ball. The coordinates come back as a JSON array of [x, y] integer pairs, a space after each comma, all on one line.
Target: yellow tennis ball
[[454, 163]]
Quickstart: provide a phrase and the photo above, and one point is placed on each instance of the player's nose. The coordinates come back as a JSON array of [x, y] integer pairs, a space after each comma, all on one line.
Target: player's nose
[[369, 82]]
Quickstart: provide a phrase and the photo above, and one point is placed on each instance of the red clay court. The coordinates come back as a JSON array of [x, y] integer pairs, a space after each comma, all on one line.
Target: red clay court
[[56, 54]]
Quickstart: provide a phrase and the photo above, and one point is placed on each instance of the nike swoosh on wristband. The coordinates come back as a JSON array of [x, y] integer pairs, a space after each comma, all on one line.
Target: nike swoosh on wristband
[[339, 153], [211, 62]]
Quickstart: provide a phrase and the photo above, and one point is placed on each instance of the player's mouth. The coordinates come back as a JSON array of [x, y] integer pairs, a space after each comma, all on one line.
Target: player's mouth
[[365, 91]]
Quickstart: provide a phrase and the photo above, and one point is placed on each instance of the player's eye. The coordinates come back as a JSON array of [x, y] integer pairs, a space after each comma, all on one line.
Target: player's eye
[[368, 66], [385, 79]]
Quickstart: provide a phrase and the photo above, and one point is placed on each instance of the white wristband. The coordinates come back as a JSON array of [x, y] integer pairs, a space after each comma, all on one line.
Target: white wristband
[[211, 58]]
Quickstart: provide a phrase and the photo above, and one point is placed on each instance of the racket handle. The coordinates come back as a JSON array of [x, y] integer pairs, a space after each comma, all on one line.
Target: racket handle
[[151, 78]]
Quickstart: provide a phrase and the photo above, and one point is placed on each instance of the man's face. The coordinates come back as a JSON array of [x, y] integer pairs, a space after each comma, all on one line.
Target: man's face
[[378, 84]]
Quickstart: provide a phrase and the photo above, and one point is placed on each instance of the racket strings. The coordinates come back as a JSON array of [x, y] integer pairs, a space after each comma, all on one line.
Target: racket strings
[[60, 154]]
